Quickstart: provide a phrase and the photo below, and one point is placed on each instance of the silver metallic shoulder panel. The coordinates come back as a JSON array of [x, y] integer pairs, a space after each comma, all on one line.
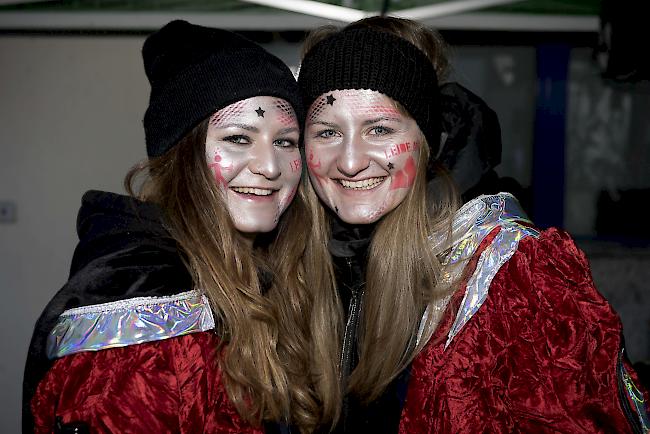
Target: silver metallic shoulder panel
[[128, 322], [472, 223]]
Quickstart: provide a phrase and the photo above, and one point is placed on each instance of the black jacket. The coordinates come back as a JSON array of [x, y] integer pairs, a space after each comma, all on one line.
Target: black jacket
[[123, 252]]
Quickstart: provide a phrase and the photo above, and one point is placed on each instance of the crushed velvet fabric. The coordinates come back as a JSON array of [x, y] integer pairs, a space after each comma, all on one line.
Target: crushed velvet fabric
[[124, 251], [540, 355], [168, 386]]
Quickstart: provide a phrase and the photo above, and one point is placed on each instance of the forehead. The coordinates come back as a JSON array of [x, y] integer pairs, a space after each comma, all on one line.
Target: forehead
[[256, 108], [360, 101]]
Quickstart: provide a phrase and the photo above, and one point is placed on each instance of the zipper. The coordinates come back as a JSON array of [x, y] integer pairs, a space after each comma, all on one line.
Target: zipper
[[349, 340], [351, 326], [627, 391]]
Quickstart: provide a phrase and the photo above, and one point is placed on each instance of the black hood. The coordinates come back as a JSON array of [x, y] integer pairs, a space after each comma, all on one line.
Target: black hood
[[124, 251]]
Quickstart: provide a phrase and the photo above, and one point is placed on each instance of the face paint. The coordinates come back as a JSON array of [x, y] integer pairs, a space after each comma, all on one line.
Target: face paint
[[296, 165], [252, 150], [362, 153]]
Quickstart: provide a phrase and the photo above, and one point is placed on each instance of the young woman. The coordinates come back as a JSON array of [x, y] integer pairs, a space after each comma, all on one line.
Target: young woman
[[186, 309], [443, 319]]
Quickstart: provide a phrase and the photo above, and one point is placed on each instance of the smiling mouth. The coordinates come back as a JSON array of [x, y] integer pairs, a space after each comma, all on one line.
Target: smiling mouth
[[253, 191], [366, 184]]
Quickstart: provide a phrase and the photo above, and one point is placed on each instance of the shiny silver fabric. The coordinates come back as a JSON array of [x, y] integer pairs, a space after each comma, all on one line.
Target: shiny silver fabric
[[472, 223], [129, 322]]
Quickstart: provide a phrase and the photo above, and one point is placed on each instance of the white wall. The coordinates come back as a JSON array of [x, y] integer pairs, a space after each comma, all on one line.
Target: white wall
[[70, 120], [71, 111]]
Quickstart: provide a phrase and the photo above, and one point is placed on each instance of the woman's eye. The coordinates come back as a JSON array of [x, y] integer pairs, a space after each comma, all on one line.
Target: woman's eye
[[237, 139], [326, 134], [380, 130], [285, 143]]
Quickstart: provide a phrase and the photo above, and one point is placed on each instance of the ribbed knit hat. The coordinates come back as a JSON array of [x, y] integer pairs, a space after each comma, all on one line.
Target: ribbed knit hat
[[195, 71], [365, 58]]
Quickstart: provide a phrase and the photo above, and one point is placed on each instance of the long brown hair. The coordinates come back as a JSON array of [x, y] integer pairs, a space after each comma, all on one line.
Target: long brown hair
[[403, 272], [265, 363]]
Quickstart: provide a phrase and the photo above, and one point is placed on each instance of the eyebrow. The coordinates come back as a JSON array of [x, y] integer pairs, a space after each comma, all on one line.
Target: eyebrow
[[368, 122], [382, 118], [327, 124], [242, 126], [288, 130]]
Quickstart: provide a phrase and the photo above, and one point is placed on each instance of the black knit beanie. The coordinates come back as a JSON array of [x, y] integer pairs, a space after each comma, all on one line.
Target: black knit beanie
[[365, 58], [195, 71]]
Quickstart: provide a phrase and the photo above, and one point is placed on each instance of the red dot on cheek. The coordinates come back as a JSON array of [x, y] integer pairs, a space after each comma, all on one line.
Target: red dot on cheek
[[217, 158]]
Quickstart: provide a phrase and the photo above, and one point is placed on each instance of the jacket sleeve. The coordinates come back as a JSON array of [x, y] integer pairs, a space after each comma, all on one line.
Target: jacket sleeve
[[127, 390], [571, 373]]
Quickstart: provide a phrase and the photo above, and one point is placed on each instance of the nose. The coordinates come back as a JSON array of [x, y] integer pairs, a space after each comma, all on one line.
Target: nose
[[353, 159], [264, 161]]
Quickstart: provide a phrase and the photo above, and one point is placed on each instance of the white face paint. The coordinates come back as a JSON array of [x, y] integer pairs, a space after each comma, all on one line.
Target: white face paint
[[362, 153], [252, 149]]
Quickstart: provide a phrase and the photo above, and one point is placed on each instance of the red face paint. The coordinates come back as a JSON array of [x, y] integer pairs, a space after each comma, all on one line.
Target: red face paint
[[217, 170], [401, 148], [311, 163], [296, 165], [362, 153], [405, 178], [286, 114], [252, 150]]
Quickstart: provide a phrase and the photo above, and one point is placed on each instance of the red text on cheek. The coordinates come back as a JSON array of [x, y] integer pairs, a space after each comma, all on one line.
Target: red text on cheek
[[396, 150], [405, 178], [295, 165]]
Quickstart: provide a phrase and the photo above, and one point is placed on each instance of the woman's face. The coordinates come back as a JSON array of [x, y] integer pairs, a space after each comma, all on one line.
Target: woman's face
[[362, 153], [252, 149]]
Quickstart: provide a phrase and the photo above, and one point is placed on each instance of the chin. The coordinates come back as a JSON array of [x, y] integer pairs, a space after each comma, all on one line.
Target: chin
[[249, 228], [356, 219]]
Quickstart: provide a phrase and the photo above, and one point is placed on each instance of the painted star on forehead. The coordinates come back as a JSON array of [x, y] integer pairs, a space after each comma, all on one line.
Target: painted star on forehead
[[390, 166], [260, 112], [330, 99]]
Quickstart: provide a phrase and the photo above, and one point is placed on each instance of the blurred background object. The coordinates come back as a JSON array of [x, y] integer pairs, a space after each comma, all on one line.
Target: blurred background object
[[568, 80]]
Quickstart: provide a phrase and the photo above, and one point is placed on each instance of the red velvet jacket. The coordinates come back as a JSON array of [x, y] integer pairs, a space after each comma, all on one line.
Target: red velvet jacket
[[527, 344], [542, 354], [167, 386]]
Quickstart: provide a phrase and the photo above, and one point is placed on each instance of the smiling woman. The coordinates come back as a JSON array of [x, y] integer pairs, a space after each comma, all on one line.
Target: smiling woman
[[252, 148], [363, 152], [187, 309], [441, 318]]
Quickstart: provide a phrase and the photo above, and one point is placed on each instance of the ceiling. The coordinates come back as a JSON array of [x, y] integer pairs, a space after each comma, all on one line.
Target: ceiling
[[514, 15]]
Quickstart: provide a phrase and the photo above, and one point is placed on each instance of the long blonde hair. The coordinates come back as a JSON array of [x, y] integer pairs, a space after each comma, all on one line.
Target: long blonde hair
[[403, 272], [265, 363]]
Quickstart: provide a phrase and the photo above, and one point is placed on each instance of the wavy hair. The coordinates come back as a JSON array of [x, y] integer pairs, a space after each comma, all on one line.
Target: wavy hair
[[265, 331], [403, 273]]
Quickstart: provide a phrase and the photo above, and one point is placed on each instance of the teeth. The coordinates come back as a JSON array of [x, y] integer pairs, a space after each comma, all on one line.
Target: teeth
[[366, 184], [251, 190]]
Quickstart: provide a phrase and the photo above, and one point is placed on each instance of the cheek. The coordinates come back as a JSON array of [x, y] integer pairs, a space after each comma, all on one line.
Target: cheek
[[319, 159], [224, 165], [290, 163], [401, 160], [402, 148], [405, 177], [286, 200], [295, 165]]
